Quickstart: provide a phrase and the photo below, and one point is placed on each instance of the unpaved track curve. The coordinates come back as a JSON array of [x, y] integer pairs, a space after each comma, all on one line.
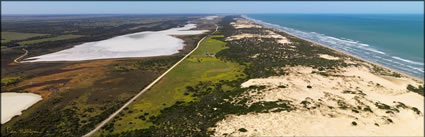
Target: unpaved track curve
[[20, 57]]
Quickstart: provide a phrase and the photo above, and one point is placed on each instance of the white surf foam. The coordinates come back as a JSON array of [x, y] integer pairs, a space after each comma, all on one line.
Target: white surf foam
[[408, 61], [356, 48]]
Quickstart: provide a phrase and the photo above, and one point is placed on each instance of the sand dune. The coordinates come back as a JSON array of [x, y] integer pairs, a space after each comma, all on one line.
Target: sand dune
[[243, 23], [335, 102], [280, 39], [346, 101]]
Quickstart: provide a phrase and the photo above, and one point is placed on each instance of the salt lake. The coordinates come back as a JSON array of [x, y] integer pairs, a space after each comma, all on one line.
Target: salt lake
[[142, 44], [12, 104]]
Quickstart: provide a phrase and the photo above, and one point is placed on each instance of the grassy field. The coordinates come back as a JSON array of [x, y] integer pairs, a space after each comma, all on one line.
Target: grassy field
[[77, 96], [61, 37], [9, 36], [201, 66], [9, 80]]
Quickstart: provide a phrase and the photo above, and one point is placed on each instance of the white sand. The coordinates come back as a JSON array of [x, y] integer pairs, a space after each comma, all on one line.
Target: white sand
[[279, 38], [244, 23], [142, 44], [328, 57], [317, 119], [334, 101], [301, 123], [12, 104], [209, 17], [240, 26]]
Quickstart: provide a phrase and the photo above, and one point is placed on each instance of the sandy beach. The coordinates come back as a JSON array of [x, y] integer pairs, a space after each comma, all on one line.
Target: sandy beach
[[336, 50], [347, 54], [347, 101]]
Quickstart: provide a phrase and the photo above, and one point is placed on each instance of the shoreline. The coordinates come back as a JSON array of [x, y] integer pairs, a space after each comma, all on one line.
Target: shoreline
[[338, 51]]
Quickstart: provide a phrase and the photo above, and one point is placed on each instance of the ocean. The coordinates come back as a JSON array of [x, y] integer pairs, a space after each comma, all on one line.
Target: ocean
[[392, 40]]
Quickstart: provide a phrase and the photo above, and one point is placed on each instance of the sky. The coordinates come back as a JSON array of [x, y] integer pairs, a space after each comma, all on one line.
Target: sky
[[128, 7]]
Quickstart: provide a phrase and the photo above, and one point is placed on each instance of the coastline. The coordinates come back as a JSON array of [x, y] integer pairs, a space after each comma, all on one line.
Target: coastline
[[338, 51], [346, 99]]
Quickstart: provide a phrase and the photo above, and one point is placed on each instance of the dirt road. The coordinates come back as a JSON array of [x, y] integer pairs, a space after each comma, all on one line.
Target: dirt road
[[144, 90], [20, 57]]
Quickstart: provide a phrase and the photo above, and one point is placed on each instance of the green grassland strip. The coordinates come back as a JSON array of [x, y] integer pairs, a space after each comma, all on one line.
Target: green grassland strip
[[61, 37], [9, 36], [5, 81], [201, 66]]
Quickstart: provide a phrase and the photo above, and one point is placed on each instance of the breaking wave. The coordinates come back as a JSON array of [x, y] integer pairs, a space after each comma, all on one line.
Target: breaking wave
[[356, 48]]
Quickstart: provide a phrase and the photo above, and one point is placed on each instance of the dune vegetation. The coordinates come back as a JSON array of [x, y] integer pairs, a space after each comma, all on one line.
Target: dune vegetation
[[76, 96], [201, 67], [10, 81], [244, 80], [280, 84], [10, 36]]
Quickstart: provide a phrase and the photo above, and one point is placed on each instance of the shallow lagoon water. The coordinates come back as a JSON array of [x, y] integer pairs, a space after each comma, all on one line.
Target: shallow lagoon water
[[12, 104], [142, 44]]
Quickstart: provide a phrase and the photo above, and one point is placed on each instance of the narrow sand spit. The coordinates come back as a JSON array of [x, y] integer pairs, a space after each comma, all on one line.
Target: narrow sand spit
[[349, 102], [142, 44], [12, 104]]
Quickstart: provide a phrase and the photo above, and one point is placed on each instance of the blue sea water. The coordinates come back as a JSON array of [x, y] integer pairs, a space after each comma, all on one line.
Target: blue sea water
[[392, 40]]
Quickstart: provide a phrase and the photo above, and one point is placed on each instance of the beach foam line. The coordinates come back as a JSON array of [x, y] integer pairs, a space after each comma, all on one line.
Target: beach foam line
[[356, 49], [408, 61], [374, 50]]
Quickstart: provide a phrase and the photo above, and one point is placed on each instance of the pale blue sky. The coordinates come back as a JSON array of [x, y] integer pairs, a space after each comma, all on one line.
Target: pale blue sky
[[79, 7]]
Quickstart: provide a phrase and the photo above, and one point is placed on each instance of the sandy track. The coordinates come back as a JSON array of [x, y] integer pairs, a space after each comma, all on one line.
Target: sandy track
[[20, 57], [144, 90]]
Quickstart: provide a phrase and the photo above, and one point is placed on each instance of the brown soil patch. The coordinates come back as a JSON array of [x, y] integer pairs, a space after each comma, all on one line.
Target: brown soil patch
[[78, 74]]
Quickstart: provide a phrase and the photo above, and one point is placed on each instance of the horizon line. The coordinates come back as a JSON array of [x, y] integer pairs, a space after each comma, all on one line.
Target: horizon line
[[182, 13]]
